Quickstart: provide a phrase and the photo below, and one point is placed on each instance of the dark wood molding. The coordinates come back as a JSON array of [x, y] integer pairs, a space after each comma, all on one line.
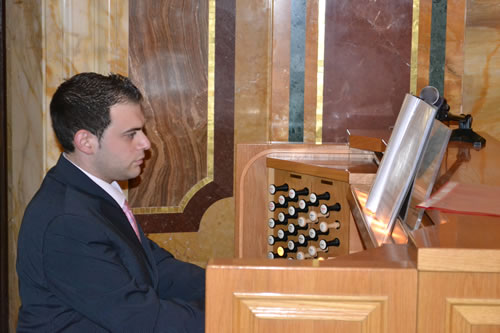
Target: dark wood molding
[[4, 257]]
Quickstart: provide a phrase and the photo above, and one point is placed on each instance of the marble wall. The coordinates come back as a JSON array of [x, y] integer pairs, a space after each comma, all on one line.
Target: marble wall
[[367, 65], [25, 100], [471, 64], [481, 68], [50, 40]]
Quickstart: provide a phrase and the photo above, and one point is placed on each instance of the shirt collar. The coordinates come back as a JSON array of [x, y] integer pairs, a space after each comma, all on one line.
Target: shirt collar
[[113, 189]]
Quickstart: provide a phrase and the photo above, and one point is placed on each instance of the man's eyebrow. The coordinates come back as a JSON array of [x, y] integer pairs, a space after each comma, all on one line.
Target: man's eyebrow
[[135, 129]]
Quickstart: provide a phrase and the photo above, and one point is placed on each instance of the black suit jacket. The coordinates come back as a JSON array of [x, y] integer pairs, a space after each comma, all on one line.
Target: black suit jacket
[[81, 267]]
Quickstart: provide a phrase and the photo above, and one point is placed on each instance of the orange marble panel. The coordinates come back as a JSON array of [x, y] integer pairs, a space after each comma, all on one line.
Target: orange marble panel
[[280, 93], [482, 65], [424, 43], [454, 63], [168, 61], [252, 71], [311, 72]]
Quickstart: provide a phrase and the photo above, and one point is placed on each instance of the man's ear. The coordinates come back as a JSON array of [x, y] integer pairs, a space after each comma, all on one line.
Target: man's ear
[[85, 141]]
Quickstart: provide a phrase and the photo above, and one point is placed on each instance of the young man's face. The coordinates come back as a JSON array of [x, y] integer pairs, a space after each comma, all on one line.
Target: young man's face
[[123, 143]]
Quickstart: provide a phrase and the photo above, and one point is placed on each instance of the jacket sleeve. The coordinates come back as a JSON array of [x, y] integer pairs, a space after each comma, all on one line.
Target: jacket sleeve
[[85, 270], [178, 279]]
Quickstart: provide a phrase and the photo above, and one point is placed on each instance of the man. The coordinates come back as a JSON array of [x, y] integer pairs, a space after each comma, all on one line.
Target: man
[[83, 263]]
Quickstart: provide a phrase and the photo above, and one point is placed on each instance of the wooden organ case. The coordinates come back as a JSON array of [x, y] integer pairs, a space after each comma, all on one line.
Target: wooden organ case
[[446, 279]]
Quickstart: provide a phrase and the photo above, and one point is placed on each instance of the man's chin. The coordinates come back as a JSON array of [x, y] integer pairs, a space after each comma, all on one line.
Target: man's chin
[[129, 176]]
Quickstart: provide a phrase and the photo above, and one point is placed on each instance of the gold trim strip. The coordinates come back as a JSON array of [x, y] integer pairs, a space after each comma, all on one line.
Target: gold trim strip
[[320, 71], [210, 127], [211, 91], [174, 209], [414, 47]]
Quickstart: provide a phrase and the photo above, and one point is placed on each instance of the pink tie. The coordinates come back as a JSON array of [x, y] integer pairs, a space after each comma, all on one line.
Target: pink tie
[[131, 219]]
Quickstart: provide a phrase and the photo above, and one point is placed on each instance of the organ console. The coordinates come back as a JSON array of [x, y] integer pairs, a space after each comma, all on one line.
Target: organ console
[[444, 278]]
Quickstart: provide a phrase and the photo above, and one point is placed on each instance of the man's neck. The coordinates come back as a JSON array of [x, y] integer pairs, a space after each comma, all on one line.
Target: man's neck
[[83, 164]]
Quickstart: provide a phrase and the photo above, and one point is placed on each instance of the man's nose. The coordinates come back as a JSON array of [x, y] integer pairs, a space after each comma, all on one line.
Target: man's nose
[[145, 144]]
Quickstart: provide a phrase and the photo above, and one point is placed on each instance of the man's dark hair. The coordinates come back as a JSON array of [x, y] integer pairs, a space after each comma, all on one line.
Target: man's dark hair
[[84, 102]]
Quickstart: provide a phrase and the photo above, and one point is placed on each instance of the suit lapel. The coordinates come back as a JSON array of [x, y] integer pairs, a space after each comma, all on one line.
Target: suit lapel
[[149, 254], [66, 172]]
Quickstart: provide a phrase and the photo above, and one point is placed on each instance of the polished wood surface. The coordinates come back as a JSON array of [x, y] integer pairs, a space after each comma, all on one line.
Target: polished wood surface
[[310, 296], [451, 302], [356, 168], [373, 140]]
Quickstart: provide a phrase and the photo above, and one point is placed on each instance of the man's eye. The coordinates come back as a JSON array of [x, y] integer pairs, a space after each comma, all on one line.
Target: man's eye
[[131, 135]]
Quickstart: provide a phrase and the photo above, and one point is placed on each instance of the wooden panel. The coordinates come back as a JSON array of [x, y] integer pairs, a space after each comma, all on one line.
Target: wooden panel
[[453, 302], [310, 169], [473, 315], [316, 313], [309, 296]]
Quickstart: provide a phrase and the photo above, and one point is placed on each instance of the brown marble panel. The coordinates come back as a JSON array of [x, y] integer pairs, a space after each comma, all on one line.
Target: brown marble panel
[[311, 72], [424, 44], [280, 94], [367, 65], [454, 63], [252, 71], [168, 57], [168, 60]]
